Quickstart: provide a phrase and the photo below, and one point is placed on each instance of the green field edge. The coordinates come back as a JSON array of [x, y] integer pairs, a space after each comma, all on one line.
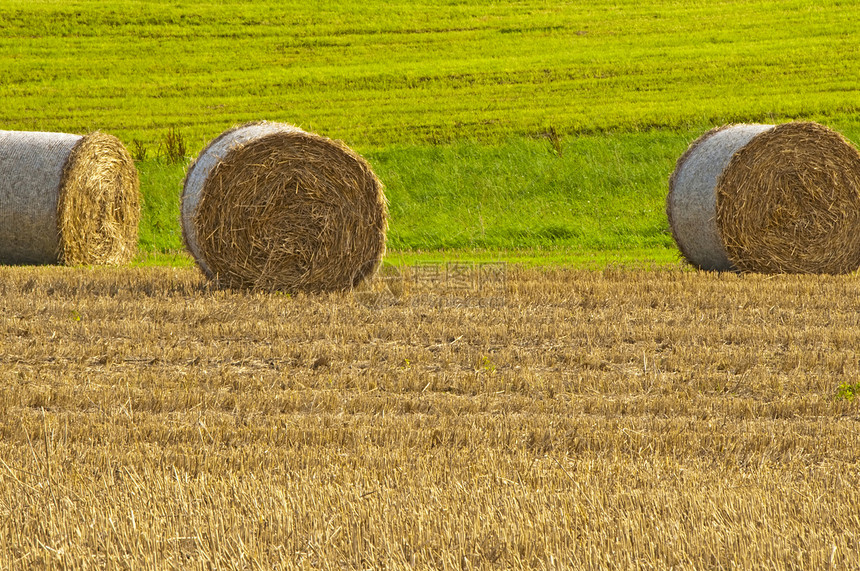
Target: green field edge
[[638, 258]]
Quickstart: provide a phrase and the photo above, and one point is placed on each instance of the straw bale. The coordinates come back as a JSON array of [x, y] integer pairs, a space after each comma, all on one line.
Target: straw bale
[[769, 199], [691, 205], [67, 199], [269, 206]]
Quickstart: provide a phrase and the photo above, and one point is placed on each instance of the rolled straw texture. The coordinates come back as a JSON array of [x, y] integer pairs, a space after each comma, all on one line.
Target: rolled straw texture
[[67, 199], [269, 206], [768, 199]]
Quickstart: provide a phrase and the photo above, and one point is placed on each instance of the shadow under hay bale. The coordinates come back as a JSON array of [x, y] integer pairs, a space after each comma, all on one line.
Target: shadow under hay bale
[[269, 206], [67, 199], [768, 199]]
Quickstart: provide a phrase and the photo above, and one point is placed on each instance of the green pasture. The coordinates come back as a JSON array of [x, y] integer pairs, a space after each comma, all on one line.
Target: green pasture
[[453, 103]]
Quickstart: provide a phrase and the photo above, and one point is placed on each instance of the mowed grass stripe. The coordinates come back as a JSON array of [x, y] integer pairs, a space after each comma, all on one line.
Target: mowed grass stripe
[[417, 73]]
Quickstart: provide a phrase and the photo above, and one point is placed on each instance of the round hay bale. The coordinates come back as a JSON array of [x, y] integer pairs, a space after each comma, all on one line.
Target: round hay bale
[[67, 199], [270, 206], [768, 199]]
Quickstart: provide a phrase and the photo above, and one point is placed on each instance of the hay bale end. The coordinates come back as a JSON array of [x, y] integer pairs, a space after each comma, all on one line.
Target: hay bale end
[[67, 199], [769, 199], [269, 206]]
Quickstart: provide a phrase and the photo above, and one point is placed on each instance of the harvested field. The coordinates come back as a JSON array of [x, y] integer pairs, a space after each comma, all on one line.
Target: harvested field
[[624, 419]]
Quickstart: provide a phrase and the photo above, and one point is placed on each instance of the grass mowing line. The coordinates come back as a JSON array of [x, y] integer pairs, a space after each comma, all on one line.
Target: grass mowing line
[[641, 258], [449, 72]]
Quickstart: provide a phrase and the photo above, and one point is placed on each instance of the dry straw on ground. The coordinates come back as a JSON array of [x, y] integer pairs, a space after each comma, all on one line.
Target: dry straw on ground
[[770, 199], [67, 199], [269, 206], [617, 419]]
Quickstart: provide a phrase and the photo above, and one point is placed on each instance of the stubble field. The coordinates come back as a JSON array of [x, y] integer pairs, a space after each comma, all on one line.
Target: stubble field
[[466, 417]]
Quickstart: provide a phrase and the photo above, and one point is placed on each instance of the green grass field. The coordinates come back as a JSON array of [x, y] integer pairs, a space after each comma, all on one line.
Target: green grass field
[[450, 102]]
